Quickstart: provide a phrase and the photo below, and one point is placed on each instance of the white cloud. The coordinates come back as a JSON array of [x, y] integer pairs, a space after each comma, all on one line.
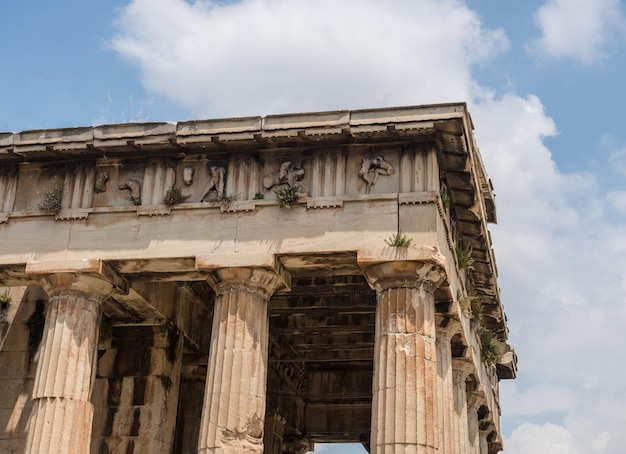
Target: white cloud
[[556, 439], [538, 399], [617, 199], [616, 149], [546, 439], [272, 56], [561, 264], [578, 29], [561, 260]]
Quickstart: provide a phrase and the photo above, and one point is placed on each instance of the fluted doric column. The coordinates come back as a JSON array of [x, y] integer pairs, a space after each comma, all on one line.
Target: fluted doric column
[[484, 443], [474, 402], [404, 400], [234, 400], [445, 392], [62, 413], [460, 371]]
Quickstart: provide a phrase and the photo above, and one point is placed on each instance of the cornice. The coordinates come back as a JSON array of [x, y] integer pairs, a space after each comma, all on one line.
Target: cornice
[[272, 131]]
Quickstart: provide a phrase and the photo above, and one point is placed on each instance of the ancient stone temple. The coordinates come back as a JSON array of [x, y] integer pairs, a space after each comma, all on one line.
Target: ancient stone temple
[[251, 285]]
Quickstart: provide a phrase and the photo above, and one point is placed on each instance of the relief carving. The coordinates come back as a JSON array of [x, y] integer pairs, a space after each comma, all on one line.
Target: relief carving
[[216, 183], [101, 182], [134, 186], [372, 168], [188, 175], [288, 174]]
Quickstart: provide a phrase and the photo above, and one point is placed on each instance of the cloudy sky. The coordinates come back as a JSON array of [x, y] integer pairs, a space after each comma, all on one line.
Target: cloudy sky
[[544, 80]]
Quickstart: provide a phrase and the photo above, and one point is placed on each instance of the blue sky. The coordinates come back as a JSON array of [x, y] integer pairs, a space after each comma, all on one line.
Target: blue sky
[[544, 83]]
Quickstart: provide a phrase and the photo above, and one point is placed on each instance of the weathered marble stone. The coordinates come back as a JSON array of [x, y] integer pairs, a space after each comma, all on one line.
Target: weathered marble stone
[[62, 412], [404, 405], [234, 407], [308, 275]]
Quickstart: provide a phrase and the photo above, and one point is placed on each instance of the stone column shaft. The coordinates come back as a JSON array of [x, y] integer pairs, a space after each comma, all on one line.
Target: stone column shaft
[[484, 444], [473, 428], [445, 394], [404, 401], [234, 403], [62, 413], [460, 429]]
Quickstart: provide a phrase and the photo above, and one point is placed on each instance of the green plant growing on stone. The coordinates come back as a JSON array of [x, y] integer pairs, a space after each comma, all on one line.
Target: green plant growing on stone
[[227, 200], [445, 199], [52, 199], [467, 304], [259, 196], [399, 240], [490, 345], [287, 197], [477, 309], [464, 256], [174, 196], [5, 301]]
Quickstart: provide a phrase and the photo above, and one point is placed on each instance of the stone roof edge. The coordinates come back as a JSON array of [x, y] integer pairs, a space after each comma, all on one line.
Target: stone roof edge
[[99, 136]]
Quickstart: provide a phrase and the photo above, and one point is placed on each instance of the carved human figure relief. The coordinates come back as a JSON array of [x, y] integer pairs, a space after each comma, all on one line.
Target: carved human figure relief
[[100, 184], [372, 168], [188, 175], [216, 183], [134, 186], [288, 174]]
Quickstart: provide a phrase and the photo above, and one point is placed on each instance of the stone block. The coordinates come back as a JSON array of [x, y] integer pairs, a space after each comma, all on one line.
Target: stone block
[[15, 420], [12, 446], [106, 363], [159, 362], [13, 364], [19, 311], [11, 389], [132, 362], [100, 392], [16, 338]]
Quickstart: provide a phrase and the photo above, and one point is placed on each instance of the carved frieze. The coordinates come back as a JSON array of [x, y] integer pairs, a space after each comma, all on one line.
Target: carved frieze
[[134, 188], [100, 184], [188, 172], [217, 179], [372, 168], [327, 176], [288, 174]]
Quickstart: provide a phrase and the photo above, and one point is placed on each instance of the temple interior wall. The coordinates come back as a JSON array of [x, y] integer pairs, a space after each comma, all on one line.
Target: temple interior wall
[[21, 330], [137, 379]]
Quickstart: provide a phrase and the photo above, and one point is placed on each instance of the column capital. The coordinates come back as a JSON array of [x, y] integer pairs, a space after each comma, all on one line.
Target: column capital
[[404, 273], [93, 278], [447, 327], [462, 366], [257, 280], [475, 400]]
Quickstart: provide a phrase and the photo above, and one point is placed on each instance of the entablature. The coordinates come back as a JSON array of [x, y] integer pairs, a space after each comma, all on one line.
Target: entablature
[[354, 177]]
